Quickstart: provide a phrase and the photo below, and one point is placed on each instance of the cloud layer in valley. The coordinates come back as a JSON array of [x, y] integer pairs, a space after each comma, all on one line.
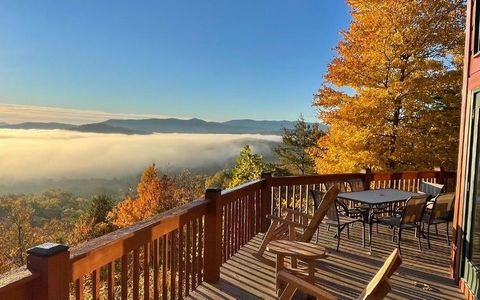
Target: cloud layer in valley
[[38, 154]]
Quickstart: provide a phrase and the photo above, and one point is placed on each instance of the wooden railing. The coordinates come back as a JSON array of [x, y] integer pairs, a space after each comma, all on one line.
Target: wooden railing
[[170, 255]]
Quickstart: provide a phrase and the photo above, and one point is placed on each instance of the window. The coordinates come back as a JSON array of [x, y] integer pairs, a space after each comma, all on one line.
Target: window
[[476, 37], [475, 186]]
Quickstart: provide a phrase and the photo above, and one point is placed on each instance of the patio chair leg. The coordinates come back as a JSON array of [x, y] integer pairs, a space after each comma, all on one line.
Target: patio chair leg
[[377, 227], [318, 234], [436, 229], [419, 242], [328, 227], [448, 237], [338, 238], [428, 235], [370, 233], [348, 232], [393, 235], [399, 237]]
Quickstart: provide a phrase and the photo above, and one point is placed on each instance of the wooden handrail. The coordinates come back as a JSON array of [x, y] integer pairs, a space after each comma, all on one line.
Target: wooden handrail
[[95, 253], [314, 179], [16, 284], [233, 193]]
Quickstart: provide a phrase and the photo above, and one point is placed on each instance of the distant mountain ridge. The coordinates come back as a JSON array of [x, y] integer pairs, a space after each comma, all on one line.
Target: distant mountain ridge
[[37, 125], [170, 125]]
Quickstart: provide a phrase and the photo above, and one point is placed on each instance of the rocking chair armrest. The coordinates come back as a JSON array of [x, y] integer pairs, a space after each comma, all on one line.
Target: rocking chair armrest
[[296, 212], [285, 221]]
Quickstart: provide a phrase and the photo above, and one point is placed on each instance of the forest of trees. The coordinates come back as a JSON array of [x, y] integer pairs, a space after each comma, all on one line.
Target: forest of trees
[[390, 98]]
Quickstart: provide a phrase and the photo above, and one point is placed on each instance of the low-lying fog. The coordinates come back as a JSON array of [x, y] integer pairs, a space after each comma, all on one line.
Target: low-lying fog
[[36, 154]]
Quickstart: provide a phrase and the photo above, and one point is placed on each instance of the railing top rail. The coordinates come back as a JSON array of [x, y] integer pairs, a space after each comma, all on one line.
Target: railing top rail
[[313, 179], [256, 182], [242, 189], [97, 252], [14, 279], [404, 175]]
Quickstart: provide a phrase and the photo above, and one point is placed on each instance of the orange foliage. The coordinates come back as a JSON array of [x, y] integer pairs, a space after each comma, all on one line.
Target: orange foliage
[[155, 195]]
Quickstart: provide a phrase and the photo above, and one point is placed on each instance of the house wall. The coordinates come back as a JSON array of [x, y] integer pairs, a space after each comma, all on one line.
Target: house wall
[[471, 81]]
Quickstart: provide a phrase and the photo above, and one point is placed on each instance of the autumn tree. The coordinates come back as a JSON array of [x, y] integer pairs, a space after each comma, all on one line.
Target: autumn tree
[[248, 166], [17, 232], [94, 221], [220, 179], [293, 152], [391, 95], [154, 195], [189, 185]]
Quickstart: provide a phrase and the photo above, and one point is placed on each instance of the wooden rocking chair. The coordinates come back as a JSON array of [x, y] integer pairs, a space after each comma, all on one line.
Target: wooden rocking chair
[[285, 228], [377, 288]]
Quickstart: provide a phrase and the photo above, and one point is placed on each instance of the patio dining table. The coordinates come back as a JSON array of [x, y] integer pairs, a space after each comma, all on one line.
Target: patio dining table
[[372, 198]]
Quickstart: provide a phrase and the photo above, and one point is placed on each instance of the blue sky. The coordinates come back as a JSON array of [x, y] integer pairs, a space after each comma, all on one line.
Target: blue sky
[[216, 60]]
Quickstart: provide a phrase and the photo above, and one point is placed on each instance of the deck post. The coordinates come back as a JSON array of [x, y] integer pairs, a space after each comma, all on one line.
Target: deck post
[[368, 178], [440, 174], [213, 236], [266, 201], [52, 263]]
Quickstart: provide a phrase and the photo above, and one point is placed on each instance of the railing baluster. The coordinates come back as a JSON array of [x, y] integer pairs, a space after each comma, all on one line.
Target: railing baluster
[[240, 222], [279, 199], [181, 266], [236, 230], [173, 267], [79, 283], [252, 219], [257, 208], [96, 284], [136, 274], [111, 280], [188, 259], [195, 254], [244, 219], [224, 233], [155, 253], [164, 266], [124, 277], [200, 249], [146, 271], [230, 229]]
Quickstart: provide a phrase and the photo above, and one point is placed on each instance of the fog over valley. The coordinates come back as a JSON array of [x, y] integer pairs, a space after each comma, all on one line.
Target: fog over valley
[[36, 155]]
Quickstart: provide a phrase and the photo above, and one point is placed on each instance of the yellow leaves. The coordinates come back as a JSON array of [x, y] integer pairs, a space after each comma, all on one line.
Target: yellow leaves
[[395, 57]]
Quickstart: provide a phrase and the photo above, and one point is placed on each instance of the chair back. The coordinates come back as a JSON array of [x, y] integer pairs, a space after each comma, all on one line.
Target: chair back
[[379, 286], [332, 213], [321, 211], [341, 185], [316, 198], [414, 208], [443, 206], [430, 188]]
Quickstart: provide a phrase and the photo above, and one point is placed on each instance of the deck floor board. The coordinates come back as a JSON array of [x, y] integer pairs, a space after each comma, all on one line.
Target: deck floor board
[[423, 275]]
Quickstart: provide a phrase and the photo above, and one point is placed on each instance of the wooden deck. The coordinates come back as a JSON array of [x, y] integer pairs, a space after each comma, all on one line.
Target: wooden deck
[[423, 275]]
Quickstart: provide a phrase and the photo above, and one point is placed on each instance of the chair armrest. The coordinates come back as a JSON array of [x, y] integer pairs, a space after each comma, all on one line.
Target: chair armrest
[[294, 283], [296, 212], [285, 221]]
